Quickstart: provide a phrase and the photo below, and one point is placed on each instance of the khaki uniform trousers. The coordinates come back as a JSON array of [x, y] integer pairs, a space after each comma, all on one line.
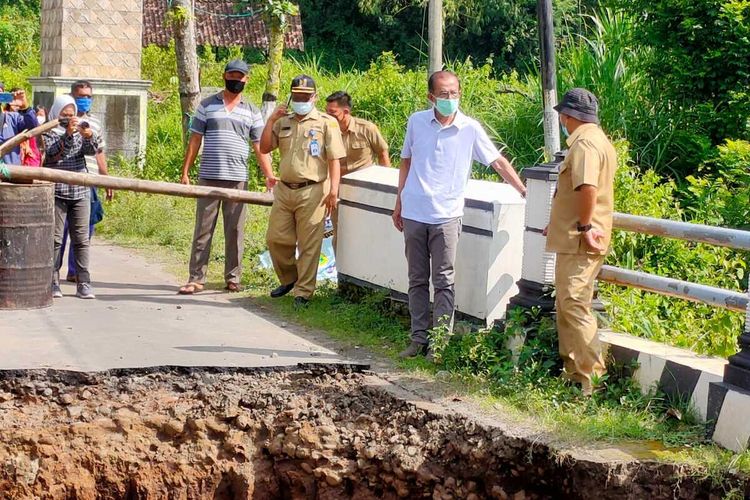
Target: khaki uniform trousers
[[579, 344], [297, 223]]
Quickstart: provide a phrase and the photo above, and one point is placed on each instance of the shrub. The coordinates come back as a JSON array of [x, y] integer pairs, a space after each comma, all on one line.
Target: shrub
[[702, 328]]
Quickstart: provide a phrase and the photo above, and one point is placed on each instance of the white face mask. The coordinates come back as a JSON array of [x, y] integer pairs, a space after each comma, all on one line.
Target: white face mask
[[302, 108], [41, 119]]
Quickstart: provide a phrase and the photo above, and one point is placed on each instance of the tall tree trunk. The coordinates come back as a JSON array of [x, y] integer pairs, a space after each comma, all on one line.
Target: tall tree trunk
[[275, 57], [187, 61]]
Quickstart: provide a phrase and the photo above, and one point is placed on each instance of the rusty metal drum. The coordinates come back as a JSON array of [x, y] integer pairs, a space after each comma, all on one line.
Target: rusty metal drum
[[27, 214]]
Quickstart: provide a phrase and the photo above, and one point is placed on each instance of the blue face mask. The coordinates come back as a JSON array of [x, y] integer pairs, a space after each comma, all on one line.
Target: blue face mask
[[446, 107], [565, 129], [83, 104], [302, 108]]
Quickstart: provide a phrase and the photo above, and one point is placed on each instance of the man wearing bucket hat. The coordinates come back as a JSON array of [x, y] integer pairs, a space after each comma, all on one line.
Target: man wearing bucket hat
[[579, 233], [310, 145]]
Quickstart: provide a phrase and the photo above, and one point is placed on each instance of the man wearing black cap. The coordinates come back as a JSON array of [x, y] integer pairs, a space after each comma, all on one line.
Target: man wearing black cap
[[310, 145], [226, 124], [579, 233]]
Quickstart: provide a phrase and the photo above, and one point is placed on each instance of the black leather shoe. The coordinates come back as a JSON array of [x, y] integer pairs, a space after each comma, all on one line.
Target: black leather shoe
[[301, 302], [282, 290], [414, 349]]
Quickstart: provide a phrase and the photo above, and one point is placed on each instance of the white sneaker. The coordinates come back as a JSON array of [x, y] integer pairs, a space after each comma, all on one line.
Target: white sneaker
[[84, 291]]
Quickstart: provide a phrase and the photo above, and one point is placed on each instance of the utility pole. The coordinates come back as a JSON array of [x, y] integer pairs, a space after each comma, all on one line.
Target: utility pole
[[549, 78], [435, 33], [186, 50]]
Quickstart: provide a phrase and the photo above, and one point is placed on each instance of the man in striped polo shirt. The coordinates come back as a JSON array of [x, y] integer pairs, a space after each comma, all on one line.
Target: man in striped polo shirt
[[225, 124]]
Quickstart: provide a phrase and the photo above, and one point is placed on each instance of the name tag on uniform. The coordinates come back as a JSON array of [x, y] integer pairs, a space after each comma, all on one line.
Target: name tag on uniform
[[314, 145]]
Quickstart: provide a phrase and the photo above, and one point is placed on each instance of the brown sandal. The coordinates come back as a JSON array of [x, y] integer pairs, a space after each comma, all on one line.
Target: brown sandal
[[190, 289], [233, 287]]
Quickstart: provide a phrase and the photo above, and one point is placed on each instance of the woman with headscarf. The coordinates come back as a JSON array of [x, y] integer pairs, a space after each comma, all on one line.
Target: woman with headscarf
[[65, 147]]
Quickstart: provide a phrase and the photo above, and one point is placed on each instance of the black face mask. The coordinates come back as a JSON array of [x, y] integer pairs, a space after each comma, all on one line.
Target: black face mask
[[234, 86]]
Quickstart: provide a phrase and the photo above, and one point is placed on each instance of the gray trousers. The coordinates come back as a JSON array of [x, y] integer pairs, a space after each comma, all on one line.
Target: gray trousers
[[206, 216], [77, 213], [431, 249]]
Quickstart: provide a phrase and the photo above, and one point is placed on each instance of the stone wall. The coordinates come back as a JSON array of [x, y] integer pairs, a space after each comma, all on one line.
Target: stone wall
[[92, 38]]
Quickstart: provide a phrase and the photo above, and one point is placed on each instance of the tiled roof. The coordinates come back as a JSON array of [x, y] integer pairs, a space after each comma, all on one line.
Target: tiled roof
[[214, 28]]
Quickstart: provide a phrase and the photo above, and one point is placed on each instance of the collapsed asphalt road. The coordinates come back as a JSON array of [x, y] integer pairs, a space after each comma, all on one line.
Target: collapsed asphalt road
[[314, 432]]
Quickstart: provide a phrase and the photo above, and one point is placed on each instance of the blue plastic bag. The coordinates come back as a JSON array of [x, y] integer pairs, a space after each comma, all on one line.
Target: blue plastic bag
[[326, 266]]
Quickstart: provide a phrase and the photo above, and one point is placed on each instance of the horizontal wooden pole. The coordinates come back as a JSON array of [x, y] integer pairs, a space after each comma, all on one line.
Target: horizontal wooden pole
[[718, 236], [14, 141], [25, 174], [734, 301]]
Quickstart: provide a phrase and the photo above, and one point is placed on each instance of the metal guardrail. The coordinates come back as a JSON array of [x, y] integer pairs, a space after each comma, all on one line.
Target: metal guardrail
[[734, 301], [717, 236]]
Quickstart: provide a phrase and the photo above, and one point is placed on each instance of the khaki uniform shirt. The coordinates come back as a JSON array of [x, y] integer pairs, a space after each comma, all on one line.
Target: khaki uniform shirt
[[364, 143], [294, 138], [591, 160]]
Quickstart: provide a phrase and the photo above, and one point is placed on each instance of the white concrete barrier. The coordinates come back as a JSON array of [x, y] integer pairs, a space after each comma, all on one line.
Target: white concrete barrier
[[490, 250]]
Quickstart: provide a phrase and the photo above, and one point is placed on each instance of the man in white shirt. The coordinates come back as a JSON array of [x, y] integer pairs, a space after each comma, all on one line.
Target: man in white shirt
[[440, 146]]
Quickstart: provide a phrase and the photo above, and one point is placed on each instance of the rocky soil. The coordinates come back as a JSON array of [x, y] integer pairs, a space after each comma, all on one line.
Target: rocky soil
[[317, 433]]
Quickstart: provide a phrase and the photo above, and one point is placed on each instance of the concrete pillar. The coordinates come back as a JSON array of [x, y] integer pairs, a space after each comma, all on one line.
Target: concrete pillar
[[99, 41], [538, 271]]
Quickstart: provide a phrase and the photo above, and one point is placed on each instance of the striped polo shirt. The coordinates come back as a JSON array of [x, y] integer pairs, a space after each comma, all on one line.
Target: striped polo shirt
[[226, 137]]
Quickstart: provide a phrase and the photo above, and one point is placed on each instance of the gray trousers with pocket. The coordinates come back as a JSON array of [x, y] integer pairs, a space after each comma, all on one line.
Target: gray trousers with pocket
[[206, 217], [431, 251], [78, 214]]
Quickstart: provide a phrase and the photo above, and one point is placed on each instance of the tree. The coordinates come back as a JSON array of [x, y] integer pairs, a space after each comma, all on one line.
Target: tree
[[275, 14], [699, 60], [182, 18]]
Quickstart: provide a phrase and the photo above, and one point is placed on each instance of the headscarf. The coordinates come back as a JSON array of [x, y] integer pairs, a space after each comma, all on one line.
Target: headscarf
[[60, 103]]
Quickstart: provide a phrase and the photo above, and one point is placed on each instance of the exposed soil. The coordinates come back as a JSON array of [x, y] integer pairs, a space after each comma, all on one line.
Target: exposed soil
[[309, 433]]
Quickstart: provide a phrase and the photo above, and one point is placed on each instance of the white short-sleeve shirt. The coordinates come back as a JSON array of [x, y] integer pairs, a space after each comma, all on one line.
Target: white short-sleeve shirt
[[441, 160]]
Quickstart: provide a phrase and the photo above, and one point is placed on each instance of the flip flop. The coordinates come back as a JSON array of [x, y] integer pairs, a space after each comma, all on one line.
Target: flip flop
[[190, 289], [233, 287]]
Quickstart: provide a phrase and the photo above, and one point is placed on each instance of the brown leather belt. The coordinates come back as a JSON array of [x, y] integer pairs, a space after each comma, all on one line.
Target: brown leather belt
[[298, 185]]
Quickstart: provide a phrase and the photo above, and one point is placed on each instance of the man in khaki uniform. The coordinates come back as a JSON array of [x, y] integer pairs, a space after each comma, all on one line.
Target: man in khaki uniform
[[362, 139], [310, 145], [579, 232]]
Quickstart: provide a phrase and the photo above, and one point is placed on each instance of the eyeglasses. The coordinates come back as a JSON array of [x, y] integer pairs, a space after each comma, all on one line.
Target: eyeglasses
[[448, 95]]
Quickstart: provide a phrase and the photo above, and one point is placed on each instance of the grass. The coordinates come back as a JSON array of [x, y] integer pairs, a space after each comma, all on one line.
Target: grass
[[620, 417]]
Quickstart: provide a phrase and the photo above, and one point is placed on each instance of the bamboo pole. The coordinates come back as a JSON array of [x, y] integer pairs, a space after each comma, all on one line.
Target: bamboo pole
[[13, 142], [15, 173]]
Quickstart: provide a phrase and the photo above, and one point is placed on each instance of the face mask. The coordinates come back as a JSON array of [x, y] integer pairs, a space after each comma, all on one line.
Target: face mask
[[234, 86], [64, 122], [83, 104], [565, 130], [446, 107], [41, 120], [302, 108]]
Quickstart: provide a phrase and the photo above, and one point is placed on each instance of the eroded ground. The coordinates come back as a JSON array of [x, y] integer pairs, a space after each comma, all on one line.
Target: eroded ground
[[308, 433]]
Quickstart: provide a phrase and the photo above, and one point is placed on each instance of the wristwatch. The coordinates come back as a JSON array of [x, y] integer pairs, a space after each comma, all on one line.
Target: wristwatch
[[583, 229]]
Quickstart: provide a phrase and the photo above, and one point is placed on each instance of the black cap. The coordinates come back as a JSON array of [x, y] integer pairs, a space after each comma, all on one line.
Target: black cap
[[580, 104], [303, 84], [237, 65]]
